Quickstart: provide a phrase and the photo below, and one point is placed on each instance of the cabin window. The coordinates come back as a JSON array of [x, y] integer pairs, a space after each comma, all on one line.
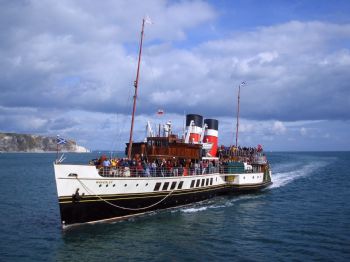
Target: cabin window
[[165, 186], [203, 181], [157, 186], [192, 183], [207, 182], [211, 181], [180, 185], [197, 183], [173, 185]]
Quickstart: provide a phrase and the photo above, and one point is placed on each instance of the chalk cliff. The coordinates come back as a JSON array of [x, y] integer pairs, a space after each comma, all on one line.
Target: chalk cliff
[[12, 142]]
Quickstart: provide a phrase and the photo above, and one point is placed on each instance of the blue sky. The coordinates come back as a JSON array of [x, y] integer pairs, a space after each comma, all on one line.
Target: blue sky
[[67, 67]]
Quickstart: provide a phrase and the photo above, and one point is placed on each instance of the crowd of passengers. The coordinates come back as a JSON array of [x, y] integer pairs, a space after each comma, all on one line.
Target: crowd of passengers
[[140, 166], [248, 152], [160, 167]]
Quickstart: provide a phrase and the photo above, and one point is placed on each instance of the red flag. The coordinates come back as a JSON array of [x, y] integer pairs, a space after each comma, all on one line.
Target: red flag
[[160, 112]]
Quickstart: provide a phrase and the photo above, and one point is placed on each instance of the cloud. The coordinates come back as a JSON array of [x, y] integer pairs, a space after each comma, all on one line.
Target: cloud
[[278, 128], [303, 131], [76, 65]]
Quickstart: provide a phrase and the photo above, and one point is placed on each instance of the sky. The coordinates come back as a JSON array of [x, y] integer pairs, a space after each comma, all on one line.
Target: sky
[[67, 67]]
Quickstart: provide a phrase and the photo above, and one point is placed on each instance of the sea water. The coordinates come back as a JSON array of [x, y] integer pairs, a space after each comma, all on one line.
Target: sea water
[[304, 215]]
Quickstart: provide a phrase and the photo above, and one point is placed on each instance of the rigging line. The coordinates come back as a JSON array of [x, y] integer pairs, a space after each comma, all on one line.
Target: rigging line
[[125, 208]]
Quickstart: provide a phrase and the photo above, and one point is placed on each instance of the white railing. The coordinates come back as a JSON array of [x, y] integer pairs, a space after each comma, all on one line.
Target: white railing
[[163, 171]]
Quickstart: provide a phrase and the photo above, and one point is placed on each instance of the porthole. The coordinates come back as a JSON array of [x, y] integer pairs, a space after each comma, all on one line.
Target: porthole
[[113, 185], [137, 185], [244, 177], [216, 179], [125, 185], [100, 185], [253, 177], [107, 185], [147, 184]]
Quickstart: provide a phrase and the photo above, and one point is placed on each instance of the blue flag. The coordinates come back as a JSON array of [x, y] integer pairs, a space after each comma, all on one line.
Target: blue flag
[[61, 141]]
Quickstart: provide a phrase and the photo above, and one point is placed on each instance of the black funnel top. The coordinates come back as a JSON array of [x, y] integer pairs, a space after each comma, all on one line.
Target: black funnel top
[[212, 123], [198, 120]]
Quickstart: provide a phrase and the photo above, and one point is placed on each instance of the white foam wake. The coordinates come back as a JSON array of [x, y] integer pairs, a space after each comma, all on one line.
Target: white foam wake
[[283, 178], [279, 179], [194, 209], [214, 205]]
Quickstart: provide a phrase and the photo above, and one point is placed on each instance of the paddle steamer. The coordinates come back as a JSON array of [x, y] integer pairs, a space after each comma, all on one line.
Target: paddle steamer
[[163, 171]]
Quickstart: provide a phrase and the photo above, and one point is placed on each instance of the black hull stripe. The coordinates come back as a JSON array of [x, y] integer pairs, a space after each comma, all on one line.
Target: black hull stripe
[[112, 219], [82, 212]]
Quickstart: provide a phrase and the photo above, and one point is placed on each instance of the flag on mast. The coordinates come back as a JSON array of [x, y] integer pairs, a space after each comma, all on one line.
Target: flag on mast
[[61, 140], [160, 112], [148, 20]]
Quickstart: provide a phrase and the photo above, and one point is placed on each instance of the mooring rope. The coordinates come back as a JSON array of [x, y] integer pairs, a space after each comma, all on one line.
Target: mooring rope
[[126, 208]]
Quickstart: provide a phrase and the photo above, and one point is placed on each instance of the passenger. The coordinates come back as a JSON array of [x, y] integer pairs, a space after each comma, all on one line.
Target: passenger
[[106, 163], [175, 168], [204, 167], [197, 168], [147, 168], [139, 169], [181, 170], [169, 168], [106, 166], [153, 168], [211, 167]]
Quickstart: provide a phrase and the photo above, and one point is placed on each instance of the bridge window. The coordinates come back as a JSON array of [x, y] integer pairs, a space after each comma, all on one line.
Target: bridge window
[[197, 183], [180, 185]]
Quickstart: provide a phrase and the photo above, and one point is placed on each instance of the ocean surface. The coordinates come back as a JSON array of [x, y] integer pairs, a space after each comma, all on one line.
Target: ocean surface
[[303, 216]]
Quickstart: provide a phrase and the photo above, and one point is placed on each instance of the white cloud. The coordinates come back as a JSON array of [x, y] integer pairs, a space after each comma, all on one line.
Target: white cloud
[[80, 59], [303, 131], [278, 128]]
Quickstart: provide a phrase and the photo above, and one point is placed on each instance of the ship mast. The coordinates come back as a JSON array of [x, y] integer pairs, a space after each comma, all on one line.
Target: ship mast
[[135, 94], [237, 124]]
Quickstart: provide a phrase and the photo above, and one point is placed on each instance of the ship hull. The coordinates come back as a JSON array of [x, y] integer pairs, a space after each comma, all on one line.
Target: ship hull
[[114, 207], [86, 197]]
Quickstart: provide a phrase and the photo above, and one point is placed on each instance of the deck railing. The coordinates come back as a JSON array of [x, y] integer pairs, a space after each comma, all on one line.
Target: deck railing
[[164, 172]]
